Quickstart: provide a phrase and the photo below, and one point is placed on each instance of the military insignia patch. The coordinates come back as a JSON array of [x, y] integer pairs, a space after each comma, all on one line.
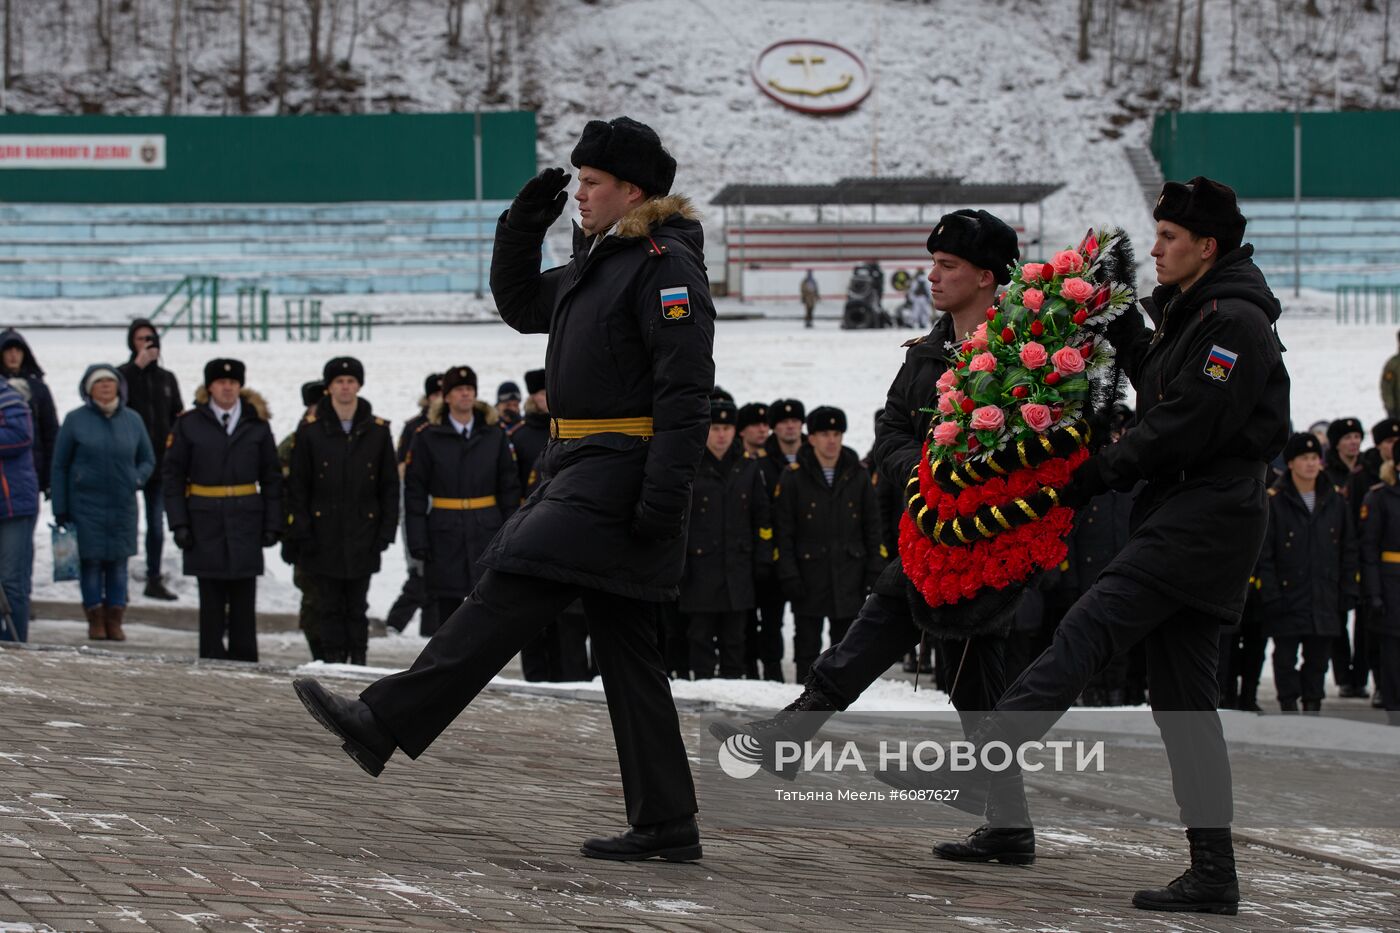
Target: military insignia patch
[[1365, 510], [675, 303], [1220, 363]]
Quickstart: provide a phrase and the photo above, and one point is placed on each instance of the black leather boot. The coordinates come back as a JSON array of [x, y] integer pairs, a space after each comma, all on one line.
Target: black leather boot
[[359, 656], [1288, 706], [798, 722], [1209, 886], [1006, 837], [365, 740], [672, 841], [156, 589], [1312, 706]]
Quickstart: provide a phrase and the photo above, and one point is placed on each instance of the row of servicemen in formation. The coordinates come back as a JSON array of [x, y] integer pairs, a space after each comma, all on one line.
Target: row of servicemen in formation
[[778, 517]]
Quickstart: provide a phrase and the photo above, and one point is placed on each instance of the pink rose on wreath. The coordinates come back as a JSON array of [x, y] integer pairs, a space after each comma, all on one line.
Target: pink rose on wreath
[[1068, 361], [1067, 261], [1036, 416], [978, 340], [946, 434], [1077, 291], [1033, 298], [1033, 355], [983, 363], [1032, 272], [987, 418], [947, 380], [950, 402]]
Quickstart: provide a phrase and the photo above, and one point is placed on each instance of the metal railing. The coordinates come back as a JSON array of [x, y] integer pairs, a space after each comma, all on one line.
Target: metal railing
[[1366, 304], [196, 302]]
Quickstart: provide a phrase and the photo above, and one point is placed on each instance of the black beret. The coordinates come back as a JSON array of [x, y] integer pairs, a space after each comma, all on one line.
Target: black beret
[[630, 150], [458, 376], [752, 413], [722, 411], [981, 238], [783, 409], [1384, 430], [224, 369], [432, 384], [311, 392], [343, 366], [1206, 208], [534, 381], [508, 392], [1342, 427], [826, 418], [1299, 444]]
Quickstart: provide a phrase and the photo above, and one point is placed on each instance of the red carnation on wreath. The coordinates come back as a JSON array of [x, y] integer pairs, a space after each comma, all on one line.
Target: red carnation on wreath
[[1012, 422]]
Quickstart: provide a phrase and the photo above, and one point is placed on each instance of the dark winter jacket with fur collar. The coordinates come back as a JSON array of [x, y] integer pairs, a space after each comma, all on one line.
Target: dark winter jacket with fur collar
[[227, 530], [631, 333]]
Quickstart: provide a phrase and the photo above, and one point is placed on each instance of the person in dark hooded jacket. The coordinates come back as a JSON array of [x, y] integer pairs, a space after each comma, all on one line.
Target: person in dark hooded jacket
[[19, 509], [1308, 573], [629, 368], [154, 394], [460, 486], [22, 370], [103, 456], [223, 496]]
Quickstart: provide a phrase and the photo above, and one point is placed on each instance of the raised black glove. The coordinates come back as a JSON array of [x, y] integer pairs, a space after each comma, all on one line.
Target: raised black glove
[[270, 538], [651, 525], [540, 202], [1123, 330], [184, 538], [1086, 483]]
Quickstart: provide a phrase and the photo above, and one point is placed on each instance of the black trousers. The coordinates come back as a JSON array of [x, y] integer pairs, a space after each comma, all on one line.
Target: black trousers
[[559, 653], [443, 606], [1182, 647], [505, 611], [307, 618], [879, 638], [1310, 682], [1388, 673], [1362, 653], [716, 635], [227, 607], [807, 640], [344, 625]]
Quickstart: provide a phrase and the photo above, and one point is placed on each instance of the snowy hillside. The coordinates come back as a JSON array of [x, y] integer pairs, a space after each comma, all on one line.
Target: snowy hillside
[[991, 90]]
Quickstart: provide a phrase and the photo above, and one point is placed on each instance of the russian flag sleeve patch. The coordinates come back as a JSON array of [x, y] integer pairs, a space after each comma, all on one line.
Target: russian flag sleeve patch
[[1220, 362], [675, 303]]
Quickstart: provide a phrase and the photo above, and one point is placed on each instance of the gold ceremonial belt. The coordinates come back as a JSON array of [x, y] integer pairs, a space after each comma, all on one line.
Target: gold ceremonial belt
[[221, 492], [464, 505], [570, 428], [1390, 557]]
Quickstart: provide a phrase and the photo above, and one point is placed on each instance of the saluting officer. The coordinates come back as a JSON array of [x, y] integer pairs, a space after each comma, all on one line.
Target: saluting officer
[[343, 507], [828, 530], [223, 499], [730, 535], [630, 367], [460, 487]]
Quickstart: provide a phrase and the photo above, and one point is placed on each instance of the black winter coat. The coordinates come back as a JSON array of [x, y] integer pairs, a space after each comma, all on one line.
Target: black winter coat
[[828, 536], [614, 352], [227, 532], [1380, 557], [730, 534], [1100, 532], [441, 465], [41, 407], [342, 493], [1309, 572], [529, 440], [1202, 426], [410, 428], [902, 428]]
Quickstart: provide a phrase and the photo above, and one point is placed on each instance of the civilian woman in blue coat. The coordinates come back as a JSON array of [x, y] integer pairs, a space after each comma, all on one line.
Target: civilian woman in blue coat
[[19, 505], [102, 458]]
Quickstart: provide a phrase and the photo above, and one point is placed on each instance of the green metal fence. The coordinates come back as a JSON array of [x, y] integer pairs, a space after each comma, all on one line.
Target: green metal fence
[[1343, 155], [305, 159]]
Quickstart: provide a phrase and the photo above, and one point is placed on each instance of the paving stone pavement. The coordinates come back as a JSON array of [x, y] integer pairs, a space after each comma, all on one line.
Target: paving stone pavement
[[141, 794]]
